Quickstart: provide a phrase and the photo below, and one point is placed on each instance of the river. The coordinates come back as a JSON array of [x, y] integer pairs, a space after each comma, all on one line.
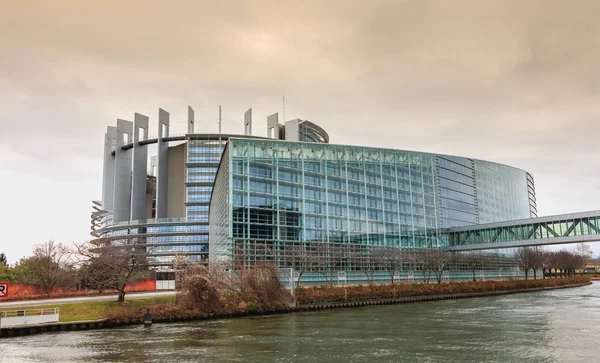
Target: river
[[553, 326]]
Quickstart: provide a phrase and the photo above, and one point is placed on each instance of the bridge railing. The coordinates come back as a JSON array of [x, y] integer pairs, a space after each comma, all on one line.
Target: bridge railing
[[533, 232]]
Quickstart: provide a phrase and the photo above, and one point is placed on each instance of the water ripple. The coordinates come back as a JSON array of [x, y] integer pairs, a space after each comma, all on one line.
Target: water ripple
[[551, 326]]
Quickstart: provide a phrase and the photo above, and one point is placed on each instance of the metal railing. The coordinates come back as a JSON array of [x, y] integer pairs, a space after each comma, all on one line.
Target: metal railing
[[30, 312], [540, 231]]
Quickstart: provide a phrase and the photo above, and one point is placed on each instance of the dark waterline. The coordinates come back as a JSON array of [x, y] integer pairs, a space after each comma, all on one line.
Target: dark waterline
[[554, 326]]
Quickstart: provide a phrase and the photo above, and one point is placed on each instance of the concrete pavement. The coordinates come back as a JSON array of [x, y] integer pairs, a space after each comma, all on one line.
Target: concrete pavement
[[78, 299]]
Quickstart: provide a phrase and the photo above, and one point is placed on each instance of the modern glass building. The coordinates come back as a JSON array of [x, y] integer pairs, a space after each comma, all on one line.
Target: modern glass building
[[211, 197], [279, 197], [163, 201]]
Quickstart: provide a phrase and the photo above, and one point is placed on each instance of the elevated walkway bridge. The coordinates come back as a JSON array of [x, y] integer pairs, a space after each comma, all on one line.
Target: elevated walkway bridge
[[541, 231]]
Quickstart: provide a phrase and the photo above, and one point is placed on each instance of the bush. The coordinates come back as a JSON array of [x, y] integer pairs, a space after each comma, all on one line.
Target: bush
[[200, 289], [217, 290]]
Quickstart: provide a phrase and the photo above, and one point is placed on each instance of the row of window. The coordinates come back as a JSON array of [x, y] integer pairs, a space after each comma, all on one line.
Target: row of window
[[294, 189], [175, 249], [332, 167], [295, 219], [316, 205], [210, 158], [320, 180], [368, 232], [209, 178], [191, 238], [466, 170]]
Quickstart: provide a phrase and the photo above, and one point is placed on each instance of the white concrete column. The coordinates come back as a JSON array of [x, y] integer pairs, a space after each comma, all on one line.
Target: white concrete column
[[273, 126], [190, 120], [122, 195], [140, 166], [162, 177], [108, 172], [292, 130], [248, 122]]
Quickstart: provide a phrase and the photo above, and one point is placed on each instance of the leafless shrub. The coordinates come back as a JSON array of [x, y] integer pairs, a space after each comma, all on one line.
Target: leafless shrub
[[263, 288], [200, 289], [216, 288]]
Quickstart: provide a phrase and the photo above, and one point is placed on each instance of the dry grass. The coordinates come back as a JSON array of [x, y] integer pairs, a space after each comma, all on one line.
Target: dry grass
[[95, 310], [333, 294]]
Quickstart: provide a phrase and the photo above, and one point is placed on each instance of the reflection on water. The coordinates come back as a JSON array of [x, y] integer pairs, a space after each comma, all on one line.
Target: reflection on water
[[554, 326]]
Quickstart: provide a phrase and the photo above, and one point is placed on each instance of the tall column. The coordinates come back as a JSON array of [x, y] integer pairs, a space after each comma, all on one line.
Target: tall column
[[273, 126], [108, 172], [190, 120], [292, 130], [162, 167], [140, 166], [248, 122], [122, 194]]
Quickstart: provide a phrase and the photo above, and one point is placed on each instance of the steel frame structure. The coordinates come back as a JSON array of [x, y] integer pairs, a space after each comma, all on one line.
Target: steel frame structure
[[559, 229]]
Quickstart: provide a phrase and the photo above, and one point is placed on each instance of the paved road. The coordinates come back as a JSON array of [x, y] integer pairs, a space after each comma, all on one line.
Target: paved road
[[71, 300]]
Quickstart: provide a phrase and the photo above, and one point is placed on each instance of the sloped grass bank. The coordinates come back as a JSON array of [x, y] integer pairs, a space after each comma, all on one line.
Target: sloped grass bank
[[94, 310], [336, 294]]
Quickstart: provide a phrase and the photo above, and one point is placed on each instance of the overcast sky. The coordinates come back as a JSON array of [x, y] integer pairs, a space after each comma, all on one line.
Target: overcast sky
[[516, 82]]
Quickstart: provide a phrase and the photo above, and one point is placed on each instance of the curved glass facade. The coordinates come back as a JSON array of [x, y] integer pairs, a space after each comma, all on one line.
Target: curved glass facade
[[202, 161], [286, 193], [502, 192], [164, 238], [310, 132]]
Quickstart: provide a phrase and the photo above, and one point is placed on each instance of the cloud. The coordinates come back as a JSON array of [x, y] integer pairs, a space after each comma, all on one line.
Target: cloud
[[508, 81]]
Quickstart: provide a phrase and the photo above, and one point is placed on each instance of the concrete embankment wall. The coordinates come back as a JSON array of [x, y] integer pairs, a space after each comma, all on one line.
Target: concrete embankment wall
[[105, 323]]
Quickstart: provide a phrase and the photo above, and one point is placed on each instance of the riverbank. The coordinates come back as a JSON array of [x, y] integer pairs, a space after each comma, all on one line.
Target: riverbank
[[129, 315], [552, 326], [355, 293], [96, 310]]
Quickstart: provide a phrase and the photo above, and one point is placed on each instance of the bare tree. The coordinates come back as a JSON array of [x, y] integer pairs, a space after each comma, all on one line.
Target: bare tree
[[561, 262], [565, 262], [331, 256], [525, 258], [390, 259], [302, 258], [476, 260], [537, 260], [369, 261], [114, 266], [50, 265], [576, 262], [419, 259], [438, 261], [545, 261], [585, 252]]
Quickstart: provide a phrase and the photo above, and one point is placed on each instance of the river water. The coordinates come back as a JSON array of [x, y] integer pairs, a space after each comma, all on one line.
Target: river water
[[553, 326]]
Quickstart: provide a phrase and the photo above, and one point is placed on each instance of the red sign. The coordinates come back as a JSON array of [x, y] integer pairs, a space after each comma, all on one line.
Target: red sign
[[3, 289]]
